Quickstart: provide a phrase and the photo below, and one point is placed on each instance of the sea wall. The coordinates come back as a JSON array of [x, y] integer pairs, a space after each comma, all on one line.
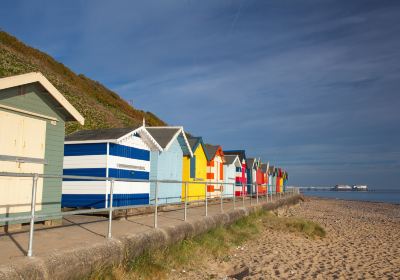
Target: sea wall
[[79, 263]]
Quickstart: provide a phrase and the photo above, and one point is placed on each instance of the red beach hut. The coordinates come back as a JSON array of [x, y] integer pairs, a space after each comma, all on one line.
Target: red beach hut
[[260, 178]]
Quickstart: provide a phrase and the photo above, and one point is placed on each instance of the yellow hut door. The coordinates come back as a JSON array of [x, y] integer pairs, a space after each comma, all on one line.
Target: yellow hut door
[[22, 149]]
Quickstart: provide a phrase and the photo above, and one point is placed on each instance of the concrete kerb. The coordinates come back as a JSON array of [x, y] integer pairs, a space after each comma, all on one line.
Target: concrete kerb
[[79, 263], [33, 268], [135, 244]]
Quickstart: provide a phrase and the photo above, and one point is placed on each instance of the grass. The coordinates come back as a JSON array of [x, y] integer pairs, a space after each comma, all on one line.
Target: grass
[[215, 244], [296, 225], [101, 107]]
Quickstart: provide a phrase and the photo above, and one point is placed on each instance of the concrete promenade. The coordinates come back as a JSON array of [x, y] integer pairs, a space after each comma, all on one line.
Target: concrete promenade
[[82, 231]]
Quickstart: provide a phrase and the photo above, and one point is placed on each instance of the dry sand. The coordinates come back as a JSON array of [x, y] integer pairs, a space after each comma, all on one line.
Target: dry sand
[[362, 242]]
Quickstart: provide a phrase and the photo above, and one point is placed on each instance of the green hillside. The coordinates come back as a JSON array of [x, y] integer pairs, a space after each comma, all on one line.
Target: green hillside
[[101, 107]]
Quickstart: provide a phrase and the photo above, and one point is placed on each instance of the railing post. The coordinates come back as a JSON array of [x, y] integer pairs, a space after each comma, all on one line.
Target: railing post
[[251, 194], [234, 196], [222, 197], [110, 208], [156, 205], [186, 195], [206, 202], [272, 194], [243, 192], [32, 223], [257, 194]]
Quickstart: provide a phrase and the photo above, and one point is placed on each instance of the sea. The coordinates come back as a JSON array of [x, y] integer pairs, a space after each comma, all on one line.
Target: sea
[[376, 195]]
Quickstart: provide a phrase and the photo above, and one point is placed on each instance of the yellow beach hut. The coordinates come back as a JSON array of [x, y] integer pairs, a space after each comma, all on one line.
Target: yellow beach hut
[[195, 170], [279, 180]]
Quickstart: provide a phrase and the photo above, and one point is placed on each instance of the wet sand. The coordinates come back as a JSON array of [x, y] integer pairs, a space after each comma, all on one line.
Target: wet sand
[[362, 242]]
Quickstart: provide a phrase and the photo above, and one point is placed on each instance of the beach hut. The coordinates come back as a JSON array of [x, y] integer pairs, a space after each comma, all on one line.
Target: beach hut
[[195, 170], [215, 170], [285, 180], [241, 173], [122, 153], [168, 164], [260, 180], [280, 180], [265, 176], [33, 114], [271, 179], [276, 179], [232, 168], [251, 175]]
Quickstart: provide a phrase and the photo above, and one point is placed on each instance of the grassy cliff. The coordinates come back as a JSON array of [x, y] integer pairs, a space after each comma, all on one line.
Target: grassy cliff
[[101, 107]]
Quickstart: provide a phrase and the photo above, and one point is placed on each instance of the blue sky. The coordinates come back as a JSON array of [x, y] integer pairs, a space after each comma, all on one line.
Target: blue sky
[[312, 86]]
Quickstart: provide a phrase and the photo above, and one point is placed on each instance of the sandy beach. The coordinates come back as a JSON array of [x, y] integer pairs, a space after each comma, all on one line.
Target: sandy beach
[[362, 242]]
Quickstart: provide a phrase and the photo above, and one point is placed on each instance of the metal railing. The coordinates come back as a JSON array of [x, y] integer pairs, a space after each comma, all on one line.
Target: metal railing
[[207, 199]]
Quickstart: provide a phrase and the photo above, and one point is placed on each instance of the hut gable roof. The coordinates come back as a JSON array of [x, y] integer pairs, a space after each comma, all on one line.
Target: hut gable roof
[[212, 150], [100, 134], [37, 77], [264, 167], [114, 135], [165, 135], [251, 162], [232, 159], [194, 142], [271, 169], [240, 153]]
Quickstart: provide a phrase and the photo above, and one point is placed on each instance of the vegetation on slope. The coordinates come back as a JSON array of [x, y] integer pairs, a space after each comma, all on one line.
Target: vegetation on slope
[[215, 244], [101, 107]]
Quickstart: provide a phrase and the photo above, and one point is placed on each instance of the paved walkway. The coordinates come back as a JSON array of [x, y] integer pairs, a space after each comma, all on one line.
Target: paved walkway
[[78, 230]]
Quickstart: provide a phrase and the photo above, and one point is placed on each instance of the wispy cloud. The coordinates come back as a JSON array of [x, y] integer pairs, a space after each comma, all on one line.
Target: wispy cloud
[[311, 85]]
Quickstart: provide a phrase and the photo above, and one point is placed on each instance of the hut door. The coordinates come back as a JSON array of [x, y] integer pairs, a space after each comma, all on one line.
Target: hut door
[[22, 148]]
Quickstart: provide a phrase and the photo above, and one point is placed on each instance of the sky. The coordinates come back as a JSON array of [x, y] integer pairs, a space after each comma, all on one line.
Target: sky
[[308, 85]]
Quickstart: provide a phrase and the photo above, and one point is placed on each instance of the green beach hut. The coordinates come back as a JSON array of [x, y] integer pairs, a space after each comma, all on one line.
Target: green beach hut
[[33, 114]]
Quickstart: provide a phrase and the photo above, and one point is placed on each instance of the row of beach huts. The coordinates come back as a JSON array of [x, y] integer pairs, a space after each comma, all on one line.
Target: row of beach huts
[[33, 114]]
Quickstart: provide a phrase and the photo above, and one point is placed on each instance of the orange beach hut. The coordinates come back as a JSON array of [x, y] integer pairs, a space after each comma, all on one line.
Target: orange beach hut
[[215, 170]]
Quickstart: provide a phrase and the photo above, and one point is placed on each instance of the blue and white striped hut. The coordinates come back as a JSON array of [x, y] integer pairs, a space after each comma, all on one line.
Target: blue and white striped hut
[[116, 152]]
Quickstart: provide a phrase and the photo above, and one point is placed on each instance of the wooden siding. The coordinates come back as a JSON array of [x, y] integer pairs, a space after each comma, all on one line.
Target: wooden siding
[[261, 181], [129, 158], [32, 98], [16, 140], [214, 174], [230, 178], [167, 165], [241, 180], [195, 191]]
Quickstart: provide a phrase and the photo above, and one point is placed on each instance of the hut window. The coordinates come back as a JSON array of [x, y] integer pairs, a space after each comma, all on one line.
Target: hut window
[[221, 171]]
